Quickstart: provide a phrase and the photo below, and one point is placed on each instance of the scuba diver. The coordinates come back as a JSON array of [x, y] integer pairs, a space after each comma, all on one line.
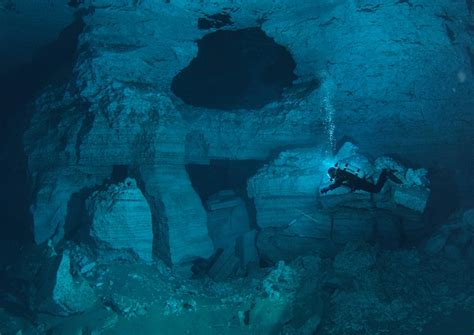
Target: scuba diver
[[342, 177]]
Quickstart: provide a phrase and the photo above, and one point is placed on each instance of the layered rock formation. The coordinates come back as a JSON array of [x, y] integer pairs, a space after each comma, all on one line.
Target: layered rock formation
[[118, 108], [234, 241], [296, 219], [395, 78], [121, 217], [227, 218]]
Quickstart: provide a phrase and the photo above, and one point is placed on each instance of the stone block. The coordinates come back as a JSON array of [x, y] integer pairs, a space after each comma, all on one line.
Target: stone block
[[301, 238], [225, 264], [227, 219], [246, 249], [121, 217], [181, 234], [61, 293], [414, 198]]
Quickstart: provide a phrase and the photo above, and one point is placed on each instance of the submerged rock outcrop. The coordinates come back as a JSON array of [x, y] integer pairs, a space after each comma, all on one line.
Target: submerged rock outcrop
[[108, 148], [454, 239], [121, 217], [118, 108], [233, 239], [361, 287], [227, 218], [61, 293], [296, 219]]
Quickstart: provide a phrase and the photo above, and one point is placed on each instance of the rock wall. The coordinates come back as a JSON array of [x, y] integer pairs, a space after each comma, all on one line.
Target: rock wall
[[295, 219], [117, 109]]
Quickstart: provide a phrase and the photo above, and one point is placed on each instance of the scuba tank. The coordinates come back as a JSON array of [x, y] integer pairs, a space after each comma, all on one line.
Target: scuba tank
[[348, 167], [355, 165]]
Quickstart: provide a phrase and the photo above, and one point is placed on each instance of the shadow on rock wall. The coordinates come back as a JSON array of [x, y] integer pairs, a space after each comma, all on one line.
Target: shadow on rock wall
[[51, 64]]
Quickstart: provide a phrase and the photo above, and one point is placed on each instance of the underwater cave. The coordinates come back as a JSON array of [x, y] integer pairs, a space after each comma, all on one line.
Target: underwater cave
[[140, 199], [235, 69]]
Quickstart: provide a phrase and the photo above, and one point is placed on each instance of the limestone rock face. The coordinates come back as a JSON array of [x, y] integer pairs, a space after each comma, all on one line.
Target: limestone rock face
[[121, 217], [118, 109], [412, 198], [296, 219], [234, 241], [246, 249], [62, 293], [227, 218], [181, 230]]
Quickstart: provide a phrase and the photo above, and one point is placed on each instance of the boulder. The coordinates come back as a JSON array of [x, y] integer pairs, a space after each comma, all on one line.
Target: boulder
[[290, 301], [121, 217], [227, 218], [414, 198], [181, 234], [60, 292], [297, 220], [225, 264], [306, 236], [285, 195], [246, 249], [436, 243], [236, 259], [455, 238]]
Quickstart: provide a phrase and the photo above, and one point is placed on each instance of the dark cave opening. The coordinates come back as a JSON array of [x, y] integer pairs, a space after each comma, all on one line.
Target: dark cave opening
[[225, 175], [235, 69], [119, 173]]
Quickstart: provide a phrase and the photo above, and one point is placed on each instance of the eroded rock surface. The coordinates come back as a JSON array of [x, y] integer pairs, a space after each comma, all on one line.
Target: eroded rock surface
[[401, 291], [410, 95], [61, 293], [227, 218], [117, 109], [296, 219], [121, 217]]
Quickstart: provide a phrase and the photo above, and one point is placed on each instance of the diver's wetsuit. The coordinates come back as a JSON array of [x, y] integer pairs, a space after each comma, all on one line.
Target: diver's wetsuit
[[344, 178]]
